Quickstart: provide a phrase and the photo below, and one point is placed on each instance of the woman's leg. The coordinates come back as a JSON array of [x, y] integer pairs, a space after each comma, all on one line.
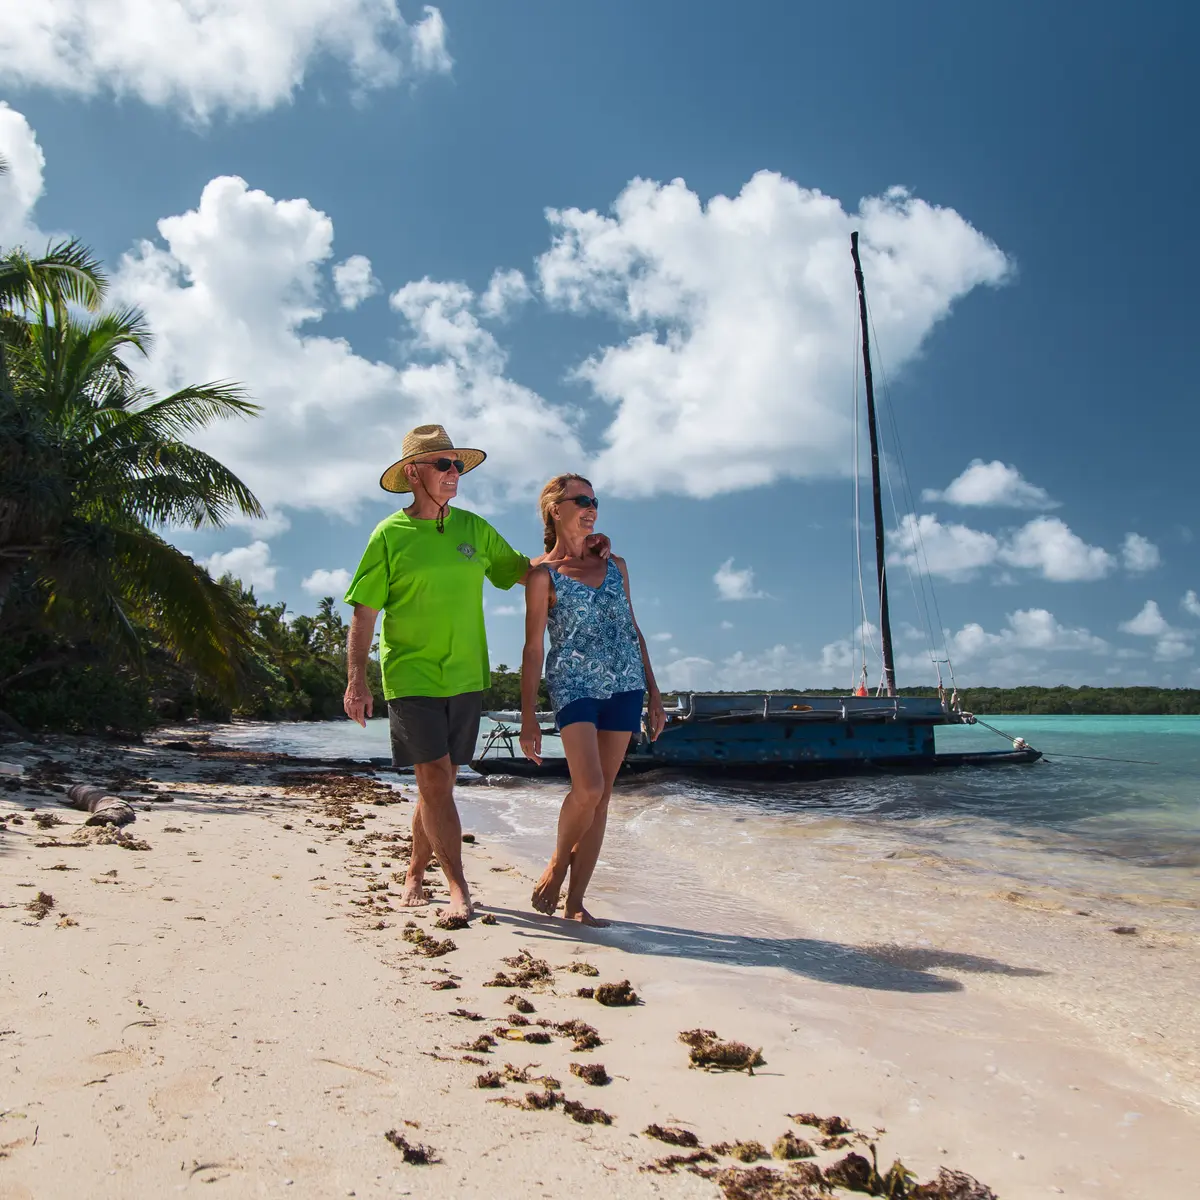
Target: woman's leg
[[612, 746], [578, 809]]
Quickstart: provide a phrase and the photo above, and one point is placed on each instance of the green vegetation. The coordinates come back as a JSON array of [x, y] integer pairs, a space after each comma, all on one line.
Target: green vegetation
[[104, 624]]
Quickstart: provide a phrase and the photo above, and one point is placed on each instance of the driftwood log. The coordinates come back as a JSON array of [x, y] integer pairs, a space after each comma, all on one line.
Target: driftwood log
[[105, 809]]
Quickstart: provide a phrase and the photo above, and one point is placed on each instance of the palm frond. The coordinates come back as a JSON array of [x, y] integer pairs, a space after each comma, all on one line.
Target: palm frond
[[195, 407], [68, 271], [197, 618]]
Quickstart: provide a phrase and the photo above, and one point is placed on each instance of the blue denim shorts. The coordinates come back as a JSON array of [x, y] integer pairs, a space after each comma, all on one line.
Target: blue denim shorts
[[621, 713]]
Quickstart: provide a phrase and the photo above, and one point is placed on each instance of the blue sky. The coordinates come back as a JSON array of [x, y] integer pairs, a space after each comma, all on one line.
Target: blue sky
[[1031, 287]]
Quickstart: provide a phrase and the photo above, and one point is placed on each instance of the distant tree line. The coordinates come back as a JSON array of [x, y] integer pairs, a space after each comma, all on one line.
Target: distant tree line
[[1051, 701]]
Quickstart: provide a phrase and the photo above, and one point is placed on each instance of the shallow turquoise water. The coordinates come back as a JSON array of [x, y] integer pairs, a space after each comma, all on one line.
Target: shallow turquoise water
[[1113, 809]]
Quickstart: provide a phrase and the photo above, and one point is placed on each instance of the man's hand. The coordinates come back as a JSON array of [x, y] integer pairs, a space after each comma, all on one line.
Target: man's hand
[[531, 741], [358, 702], [598, 543], [657, 716]]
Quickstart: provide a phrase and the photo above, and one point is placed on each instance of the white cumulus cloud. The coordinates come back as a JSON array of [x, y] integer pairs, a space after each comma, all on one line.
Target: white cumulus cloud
[[506, 290], [1191, 603], [324, 582], [1048, 546], [21, 187], [661, 637], [1025, 629], [741, 350], [1148, 623], [735, 583], [1170, 644], [237, 56], [353, 281], [232, 290], [993, 484], [251, 564], [951, 551], [1139, 554]]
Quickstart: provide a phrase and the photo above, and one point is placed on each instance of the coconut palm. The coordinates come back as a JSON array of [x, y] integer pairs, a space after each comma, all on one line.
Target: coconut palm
[[101, 465]]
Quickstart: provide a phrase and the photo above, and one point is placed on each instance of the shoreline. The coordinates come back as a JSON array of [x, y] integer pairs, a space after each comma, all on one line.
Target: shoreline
[[240, 996]]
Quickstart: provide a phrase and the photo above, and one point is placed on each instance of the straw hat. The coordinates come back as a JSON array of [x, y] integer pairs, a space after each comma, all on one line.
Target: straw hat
[[426, 439]]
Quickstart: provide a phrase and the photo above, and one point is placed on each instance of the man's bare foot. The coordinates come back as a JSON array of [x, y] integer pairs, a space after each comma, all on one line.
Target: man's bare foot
[[414, 895], [545, 894], [459, 906], [585, 918]]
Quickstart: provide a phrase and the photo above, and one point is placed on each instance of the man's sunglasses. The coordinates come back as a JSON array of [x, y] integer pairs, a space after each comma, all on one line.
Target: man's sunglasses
[[586, 502], [444, 464]]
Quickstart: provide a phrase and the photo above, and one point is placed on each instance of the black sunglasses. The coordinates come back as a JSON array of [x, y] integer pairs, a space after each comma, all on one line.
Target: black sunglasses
[[587, 502], [444, 464]]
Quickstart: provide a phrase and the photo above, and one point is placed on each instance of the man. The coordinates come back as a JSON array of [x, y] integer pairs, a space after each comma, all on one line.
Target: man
[[424, 569]]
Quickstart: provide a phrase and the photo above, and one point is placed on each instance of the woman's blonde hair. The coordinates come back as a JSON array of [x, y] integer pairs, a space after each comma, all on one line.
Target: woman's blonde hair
[[553, 493]]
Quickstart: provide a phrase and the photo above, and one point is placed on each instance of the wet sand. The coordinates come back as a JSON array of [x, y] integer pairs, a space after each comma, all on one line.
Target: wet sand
[[237, 1010]]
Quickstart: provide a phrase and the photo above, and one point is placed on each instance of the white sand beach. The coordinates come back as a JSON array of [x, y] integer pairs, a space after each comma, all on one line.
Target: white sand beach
[[234, 1010]]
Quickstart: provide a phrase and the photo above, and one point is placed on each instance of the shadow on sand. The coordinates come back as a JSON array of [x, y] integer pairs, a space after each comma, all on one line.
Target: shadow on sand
[[881, 968]]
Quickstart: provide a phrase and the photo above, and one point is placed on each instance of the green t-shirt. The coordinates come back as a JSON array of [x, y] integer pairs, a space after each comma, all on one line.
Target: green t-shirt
[[430, 588]]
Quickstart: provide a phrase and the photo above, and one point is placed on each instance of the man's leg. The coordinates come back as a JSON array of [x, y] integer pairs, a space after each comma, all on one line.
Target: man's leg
[[441, 829], [612, 746], [415, 893], [578, 809]]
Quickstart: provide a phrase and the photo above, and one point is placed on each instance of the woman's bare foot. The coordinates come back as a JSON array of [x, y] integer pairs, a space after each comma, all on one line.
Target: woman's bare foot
[[460, 905], [545, 894], [585, 918]]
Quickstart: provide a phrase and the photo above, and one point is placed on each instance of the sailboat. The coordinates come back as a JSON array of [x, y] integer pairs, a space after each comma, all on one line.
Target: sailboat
[[759, 733]]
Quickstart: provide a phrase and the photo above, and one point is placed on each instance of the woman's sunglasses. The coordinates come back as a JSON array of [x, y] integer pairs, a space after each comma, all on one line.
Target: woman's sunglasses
[[586, 502], [444, 464]]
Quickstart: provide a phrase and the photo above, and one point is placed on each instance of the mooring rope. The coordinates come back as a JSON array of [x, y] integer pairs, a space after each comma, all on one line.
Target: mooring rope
[[1020, 744]]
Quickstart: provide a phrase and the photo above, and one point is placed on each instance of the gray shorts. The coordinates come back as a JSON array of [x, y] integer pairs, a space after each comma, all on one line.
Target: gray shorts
[[426, 728]]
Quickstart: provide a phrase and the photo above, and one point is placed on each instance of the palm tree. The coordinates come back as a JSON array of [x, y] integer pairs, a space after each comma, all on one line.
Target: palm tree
[[92, 465]]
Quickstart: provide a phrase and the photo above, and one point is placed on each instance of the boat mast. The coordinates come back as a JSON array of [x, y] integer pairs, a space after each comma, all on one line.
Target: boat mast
[[885, 620]]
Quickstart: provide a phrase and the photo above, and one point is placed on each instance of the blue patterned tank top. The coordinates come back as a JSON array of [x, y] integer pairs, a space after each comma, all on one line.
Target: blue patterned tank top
[[594, 651]]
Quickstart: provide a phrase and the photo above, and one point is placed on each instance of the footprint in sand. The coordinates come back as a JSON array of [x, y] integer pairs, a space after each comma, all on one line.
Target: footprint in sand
[[187, 1094]]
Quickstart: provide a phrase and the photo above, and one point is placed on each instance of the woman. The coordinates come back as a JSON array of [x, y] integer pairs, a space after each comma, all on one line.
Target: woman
[[597, 672]]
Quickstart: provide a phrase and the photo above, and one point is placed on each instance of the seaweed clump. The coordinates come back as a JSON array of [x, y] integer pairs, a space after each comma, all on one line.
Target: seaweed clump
[[432, 948], [40, 905], [672, 1162], [466, 1014], [417, 1154], [542, 1100], [672, 1135], [586, 993], [761, 1183], [709, 1052], [616, 995], [585, 1035], [527, 972], [452, 921], [520, 1004], [592, 1073], [746, 1152], [482, 1044], [489, 1079], [854, 1173], [788, 1146], [829, 1126], [578, 1111], [582, 968], [952, 1185], [444, 985]]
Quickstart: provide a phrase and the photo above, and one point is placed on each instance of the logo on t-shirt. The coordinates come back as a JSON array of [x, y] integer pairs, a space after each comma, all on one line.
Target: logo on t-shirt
[[466, 550]]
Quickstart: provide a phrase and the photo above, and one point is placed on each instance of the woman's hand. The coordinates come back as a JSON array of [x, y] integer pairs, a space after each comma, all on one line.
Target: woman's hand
[[657, 715], [598, 543], [531, 740]]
